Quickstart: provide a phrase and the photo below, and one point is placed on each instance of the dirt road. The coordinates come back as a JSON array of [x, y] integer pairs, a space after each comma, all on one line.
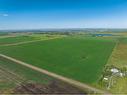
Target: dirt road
[[67, 80]]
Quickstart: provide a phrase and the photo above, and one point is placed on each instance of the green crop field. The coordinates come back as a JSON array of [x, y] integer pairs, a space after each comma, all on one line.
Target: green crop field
[[17, 39], [33, 37], [3, 34], [77, 58]]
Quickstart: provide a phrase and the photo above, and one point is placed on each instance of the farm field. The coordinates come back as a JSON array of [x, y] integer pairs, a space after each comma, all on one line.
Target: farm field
[[120, 53], [11, 40], [15, 78], [25, 38], [69, 47], [3, 34], [14, 75], [70, 57]]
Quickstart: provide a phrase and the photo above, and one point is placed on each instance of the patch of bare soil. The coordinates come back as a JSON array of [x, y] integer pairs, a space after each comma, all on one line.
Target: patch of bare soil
[[52, 88]]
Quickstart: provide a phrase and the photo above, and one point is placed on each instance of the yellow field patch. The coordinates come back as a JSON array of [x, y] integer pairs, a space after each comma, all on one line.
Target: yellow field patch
[[119, 56], [120, 87]]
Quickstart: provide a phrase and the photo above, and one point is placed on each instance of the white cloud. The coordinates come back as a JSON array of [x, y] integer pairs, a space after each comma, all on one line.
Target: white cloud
[[5, 15]]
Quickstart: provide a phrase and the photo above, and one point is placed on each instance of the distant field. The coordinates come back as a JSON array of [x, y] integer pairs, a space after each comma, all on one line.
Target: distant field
[[17, 39], [77, 58], [3, 33]]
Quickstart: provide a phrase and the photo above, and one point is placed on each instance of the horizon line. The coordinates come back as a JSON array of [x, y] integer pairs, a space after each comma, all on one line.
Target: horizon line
[[58, 28]]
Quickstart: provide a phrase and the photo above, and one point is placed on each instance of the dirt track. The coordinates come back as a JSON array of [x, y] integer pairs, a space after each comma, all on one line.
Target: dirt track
[[7, 36], [26, 42], [67, 80]]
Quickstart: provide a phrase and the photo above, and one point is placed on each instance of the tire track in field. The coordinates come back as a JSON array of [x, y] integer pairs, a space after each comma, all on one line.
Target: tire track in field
[[11, 73], [26, 42], [1, 37], [16, 79], [18, 82], [67, 80]]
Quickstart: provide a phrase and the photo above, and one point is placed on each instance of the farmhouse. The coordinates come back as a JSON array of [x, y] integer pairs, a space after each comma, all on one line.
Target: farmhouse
[[114, 70]]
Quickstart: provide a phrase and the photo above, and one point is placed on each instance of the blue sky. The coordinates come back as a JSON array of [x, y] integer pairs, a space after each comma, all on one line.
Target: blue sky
[[38, 14]]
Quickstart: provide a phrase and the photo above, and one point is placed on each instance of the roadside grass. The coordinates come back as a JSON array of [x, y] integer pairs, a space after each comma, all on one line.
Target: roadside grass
[[77, 58]]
